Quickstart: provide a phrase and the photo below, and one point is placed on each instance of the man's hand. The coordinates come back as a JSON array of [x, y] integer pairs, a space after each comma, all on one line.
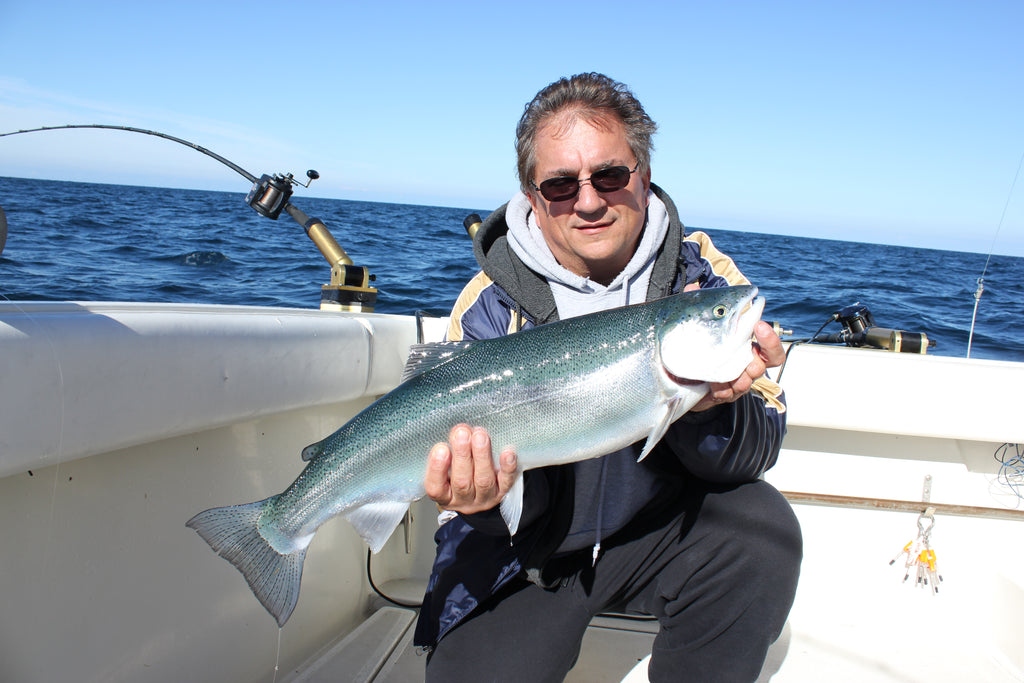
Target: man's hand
[[461, 475], [768, 353]]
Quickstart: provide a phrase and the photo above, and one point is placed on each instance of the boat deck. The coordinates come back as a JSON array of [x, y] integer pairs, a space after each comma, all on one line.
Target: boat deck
[[381, 651], [615, 650]]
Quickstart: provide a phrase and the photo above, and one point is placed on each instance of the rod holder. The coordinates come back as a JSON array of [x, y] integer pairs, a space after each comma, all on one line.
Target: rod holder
[[350, 288]]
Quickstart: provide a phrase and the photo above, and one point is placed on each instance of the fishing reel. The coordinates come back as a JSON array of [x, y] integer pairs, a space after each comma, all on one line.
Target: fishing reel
[[349, 289], [270, 194], [860, 330]]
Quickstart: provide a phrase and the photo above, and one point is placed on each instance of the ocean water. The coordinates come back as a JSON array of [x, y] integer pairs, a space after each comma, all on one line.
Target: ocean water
[[83, 241]]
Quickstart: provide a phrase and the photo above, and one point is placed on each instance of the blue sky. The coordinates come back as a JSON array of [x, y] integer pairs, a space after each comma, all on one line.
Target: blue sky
[[884, 122]]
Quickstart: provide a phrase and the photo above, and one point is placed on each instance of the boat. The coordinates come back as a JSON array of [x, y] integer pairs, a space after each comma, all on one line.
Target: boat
[[120, 421]]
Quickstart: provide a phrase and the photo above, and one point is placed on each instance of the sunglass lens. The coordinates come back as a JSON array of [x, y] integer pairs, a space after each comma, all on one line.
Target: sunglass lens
[[557, 189], [610, 179]]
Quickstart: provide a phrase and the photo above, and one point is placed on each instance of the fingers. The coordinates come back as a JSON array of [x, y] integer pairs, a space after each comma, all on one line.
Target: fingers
[[462, 477], [436, 483], [461, 474], [768, 345], [508, 472], [473, 477], [723, 392]]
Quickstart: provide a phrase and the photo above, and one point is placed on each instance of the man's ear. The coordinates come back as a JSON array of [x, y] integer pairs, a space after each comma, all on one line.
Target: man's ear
[[533, 201]]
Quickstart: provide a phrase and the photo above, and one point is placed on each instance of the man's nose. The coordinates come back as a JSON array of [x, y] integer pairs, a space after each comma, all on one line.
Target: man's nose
[[588, 198]]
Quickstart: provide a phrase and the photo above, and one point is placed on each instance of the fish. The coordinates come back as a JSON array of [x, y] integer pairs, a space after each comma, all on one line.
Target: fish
[[557, 393]]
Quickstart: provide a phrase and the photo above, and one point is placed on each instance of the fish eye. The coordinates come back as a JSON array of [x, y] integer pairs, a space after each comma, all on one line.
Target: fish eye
[[719, 311]]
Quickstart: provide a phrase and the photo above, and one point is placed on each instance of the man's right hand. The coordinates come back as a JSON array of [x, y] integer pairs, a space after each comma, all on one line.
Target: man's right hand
[[461, 475]]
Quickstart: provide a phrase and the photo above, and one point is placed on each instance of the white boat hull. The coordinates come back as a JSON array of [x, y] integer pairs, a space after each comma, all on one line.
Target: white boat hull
[[119, 422]]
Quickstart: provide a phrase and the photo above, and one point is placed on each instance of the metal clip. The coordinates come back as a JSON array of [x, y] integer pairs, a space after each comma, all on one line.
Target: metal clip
[[920, 558], [923, 531]]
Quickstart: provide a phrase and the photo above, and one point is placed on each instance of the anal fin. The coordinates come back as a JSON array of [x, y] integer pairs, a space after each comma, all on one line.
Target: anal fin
[[375, 522]]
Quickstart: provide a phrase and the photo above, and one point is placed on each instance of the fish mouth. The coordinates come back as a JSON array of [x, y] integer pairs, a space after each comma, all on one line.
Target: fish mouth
[[748, 315]]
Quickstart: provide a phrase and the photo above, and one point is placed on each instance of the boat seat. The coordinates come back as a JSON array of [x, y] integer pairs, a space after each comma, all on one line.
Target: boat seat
[[365, 653]]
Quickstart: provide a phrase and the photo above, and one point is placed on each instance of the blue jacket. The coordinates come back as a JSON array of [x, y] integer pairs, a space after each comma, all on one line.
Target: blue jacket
[[730, 443]]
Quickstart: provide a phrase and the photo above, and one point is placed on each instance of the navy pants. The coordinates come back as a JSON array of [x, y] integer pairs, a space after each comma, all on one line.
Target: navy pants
[[720, 577]]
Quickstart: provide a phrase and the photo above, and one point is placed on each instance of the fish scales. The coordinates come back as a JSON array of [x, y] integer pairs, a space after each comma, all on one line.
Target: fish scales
[[556, 393], [509, 398]]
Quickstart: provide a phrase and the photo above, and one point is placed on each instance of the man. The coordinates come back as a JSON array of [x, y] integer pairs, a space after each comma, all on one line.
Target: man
[[690, 535]]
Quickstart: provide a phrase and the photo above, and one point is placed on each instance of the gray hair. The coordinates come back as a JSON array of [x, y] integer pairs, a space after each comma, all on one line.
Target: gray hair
[[592, 97]]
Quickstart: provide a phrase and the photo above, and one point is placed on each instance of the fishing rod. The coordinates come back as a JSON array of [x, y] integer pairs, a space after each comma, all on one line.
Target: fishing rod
[[981, 280], [3, 230], [349, 289]]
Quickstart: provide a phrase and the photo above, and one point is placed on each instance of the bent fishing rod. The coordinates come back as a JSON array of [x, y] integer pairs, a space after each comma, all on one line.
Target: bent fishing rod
[[349, 289]]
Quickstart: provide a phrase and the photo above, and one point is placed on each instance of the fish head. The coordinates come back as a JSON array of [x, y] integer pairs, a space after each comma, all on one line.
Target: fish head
[[705, 335]]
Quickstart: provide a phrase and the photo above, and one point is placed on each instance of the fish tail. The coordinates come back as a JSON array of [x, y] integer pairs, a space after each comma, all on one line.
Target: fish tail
[[273, 577]]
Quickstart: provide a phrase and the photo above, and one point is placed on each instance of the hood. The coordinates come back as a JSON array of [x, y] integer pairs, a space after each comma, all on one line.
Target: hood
[[528, 286]]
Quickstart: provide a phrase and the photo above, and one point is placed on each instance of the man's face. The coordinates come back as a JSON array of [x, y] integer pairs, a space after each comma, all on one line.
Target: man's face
[[593, 234]]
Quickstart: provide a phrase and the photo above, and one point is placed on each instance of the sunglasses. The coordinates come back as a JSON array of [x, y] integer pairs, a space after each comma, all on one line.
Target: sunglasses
[[606, 180]]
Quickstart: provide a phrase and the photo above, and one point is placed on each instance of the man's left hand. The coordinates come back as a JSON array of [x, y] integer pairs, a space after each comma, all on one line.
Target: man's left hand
[[768, 353]]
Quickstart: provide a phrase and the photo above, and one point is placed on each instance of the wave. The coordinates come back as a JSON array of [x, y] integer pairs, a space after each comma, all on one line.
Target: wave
[[200, 259]]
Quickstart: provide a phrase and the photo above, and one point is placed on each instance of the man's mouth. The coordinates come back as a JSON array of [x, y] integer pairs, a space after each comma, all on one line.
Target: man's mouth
[[589, 229]]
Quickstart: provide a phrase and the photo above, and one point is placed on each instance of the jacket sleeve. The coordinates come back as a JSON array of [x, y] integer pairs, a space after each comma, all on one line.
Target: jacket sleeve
[[735, 442]]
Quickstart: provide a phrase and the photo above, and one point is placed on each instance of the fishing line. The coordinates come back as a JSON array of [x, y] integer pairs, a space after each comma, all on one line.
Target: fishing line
[[57, 366], [277, 661], [48, 539], [796, 342], [3, 230], [981, 280]]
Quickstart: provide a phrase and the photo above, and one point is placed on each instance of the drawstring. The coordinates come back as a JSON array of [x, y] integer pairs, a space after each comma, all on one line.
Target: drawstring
[[600, 511]]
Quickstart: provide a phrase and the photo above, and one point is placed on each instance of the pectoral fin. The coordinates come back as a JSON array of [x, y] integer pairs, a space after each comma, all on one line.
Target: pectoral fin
[[511, 506], [377, 521], [671, 411], [665, 416]]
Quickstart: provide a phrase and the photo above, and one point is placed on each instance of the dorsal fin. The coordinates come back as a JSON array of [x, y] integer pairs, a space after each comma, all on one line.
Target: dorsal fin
[[423, 357]]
